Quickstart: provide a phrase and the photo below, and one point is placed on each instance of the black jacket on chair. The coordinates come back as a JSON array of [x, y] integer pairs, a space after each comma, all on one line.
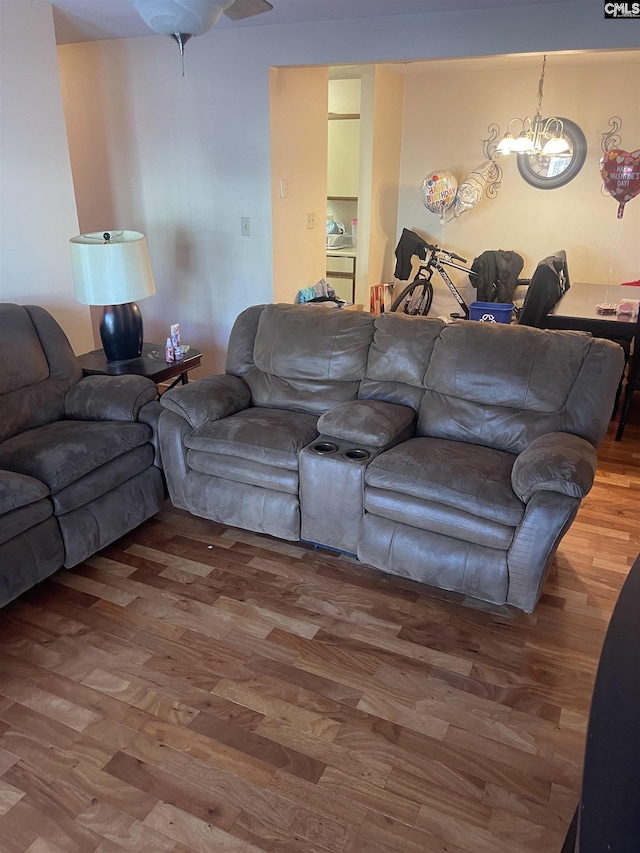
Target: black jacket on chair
[[497, 275]]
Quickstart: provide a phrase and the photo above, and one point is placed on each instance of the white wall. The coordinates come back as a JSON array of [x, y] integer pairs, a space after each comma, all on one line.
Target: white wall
[[382, 126], [298, 157], [186, 157], [180, 159], [37, 206]]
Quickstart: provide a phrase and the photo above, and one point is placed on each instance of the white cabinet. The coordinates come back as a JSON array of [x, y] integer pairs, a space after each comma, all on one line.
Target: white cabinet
[[343, 162], [343, 155], [341, 273]]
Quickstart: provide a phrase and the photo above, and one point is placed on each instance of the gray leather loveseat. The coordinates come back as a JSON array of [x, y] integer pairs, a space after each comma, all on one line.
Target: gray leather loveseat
[[78, 465], [456, 455]]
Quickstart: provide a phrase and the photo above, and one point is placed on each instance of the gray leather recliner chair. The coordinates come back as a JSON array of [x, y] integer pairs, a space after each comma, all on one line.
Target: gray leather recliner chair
[[456, 455], [78, 456]]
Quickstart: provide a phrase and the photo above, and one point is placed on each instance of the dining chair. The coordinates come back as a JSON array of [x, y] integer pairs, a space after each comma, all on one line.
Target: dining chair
[[633, 384], [549, 283], [630, 370]]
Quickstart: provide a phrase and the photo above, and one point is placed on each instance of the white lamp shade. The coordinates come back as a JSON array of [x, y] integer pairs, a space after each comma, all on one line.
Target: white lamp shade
[[556, 145], [111, 272], [505, 146], [522, 144], [190, 17]]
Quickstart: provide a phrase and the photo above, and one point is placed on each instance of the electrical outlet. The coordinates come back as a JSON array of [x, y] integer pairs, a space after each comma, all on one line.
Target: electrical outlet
[[311, 220], [284, 190], [245, 226]]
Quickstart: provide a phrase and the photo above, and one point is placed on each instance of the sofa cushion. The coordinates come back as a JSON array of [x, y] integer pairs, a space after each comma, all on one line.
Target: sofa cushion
[[513, 366], [32, 391], [267, 436], [307, 358], [503, 386], [438, 518], [312, 342], [30, 557], [32, 366], [243, 505], [469, 477], [433, 559], [398, 357], [97, 524], [62, 452], [19, 520], [244, 471], [103, 479], [18, 490]]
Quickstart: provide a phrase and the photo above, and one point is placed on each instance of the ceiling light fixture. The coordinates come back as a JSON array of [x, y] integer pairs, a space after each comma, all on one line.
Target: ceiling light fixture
[[182, 19], [536, 135]]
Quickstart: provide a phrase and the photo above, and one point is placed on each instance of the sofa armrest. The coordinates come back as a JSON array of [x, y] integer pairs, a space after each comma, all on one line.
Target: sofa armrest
[[150, 414], [19, 490], [371, 422], [556, 462], [547, 518], [208, 399], [108, 398]]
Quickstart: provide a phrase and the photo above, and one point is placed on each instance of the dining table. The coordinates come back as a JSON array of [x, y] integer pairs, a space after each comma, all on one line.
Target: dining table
[[577, 310]]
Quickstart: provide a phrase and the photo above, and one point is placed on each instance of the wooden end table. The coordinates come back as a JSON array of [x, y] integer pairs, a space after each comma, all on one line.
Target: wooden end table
[[151, 364]]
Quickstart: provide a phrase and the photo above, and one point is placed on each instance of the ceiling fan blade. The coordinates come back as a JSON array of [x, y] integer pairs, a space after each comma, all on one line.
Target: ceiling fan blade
[[247, 8]]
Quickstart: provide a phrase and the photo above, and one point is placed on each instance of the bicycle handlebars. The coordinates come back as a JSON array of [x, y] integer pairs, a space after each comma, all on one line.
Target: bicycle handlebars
[[451, 255]]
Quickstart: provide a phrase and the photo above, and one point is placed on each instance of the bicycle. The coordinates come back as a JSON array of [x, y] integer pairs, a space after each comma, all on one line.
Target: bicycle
[[416, 298]]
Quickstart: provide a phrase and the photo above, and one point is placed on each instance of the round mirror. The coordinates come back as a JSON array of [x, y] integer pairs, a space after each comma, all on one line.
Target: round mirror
[[546, 172]]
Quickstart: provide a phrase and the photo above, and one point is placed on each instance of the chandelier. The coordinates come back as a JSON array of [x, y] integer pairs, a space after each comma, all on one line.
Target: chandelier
[[535, 135]]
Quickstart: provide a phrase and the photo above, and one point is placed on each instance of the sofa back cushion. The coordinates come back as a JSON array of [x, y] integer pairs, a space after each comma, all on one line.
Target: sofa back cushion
[[303, 357], [38, 367], [398, 358], [502, 386]]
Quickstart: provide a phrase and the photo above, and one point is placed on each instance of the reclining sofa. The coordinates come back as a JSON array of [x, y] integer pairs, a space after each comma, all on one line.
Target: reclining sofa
[[454, 454], [78, 463]]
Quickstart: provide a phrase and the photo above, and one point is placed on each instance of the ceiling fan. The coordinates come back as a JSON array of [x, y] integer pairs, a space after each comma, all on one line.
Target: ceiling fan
[[182, 19]]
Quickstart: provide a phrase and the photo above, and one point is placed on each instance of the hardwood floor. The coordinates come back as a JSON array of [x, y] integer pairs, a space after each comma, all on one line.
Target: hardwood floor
[[197, 688]]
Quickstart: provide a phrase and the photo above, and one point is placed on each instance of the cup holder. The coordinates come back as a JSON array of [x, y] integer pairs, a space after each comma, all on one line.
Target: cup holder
[[356, 453], [324, 447]]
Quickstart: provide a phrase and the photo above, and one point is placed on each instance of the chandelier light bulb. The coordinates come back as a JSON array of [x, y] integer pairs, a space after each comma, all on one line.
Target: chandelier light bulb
[[523, 144], [555, 145], [505, 146]]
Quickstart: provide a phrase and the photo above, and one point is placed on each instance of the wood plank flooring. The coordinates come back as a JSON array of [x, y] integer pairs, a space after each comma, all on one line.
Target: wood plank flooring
[[199, 688]]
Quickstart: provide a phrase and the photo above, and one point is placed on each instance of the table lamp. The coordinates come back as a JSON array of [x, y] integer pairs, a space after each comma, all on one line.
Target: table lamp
[[112, 268]]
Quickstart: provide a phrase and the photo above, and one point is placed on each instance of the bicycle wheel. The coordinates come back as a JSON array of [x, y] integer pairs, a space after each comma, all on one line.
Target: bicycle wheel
[[415, 299]]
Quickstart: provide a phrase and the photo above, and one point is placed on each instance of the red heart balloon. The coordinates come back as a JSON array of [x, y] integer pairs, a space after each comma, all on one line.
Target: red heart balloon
[[620, 171]]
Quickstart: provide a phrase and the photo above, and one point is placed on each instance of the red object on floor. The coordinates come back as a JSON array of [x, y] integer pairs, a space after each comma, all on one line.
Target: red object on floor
[[631, 283]]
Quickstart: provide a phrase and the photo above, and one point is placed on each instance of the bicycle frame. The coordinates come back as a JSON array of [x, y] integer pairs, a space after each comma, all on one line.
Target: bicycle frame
[[437, 264]]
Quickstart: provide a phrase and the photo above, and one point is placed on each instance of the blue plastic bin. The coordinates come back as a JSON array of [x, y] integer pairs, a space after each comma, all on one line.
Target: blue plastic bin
[[491, 312]]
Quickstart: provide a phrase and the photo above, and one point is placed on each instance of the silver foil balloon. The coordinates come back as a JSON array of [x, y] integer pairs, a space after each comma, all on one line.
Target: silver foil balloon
[[472, 188]]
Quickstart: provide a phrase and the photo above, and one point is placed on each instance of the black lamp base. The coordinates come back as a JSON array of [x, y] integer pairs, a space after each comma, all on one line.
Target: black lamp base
[[121, 331]]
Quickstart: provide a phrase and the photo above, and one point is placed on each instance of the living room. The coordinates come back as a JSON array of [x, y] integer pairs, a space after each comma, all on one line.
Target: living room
[[99, 134], [129, 142]]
